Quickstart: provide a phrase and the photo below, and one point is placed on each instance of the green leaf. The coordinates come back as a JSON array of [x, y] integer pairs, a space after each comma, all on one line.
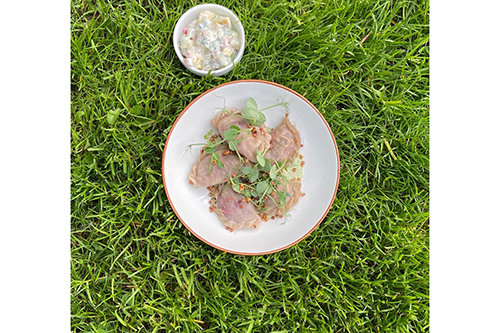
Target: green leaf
[[260, 119], [272, 172], [231, 133], [267, 166], [210, 148], [230, 136], [236, 188], [254, 174], [252, 114], [247, 192], [262, 186], [260, 158], [251, 104], [246, 170], [233, 144], [113, 116]]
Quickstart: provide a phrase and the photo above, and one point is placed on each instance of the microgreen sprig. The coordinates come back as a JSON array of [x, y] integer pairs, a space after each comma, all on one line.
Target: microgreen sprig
[[230, 136], [254, 115], [261, 181], [214, 141]]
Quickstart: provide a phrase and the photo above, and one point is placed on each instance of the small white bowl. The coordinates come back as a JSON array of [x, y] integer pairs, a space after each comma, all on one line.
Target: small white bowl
[[190, 16]]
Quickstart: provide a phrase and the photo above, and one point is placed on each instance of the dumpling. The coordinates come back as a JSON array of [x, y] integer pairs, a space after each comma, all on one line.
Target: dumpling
[[260, 139], [199, 175], [272, 206], [285, 142], [233, 211]]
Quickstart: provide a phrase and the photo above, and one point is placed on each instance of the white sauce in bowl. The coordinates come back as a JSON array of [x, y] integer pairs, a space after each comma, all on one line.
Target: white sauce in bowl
[[209, 42]]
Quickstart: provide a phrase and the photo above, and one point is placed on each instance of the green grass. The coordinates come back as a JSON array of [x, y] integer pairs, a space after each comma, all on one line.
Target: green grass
[[136, 268]]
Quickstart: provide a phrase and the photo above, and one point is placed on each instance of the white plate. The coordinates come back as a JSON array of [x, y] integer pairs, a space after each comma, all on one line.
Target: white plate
[[319, 181]]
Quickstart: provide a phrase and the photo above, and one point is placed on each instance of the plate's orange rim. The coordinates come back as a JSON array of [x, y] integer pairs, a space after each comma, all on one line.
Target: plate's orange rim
[[250, 253]]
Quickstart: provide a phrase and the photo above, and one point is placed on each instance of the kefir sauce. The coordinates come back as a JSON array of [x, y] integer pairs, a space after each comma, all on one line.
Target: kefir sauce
[[209, 42]]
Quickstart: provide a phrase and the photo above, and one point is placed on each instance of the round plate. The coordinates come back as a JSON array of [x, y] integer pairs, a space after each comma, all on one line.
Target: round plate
[[319, 181]]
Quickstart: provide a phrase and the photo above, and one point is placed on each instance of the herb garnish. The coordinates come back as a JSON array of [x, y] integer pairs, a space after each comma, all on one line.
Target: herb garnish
[[213, 141], [262, 181], [252, 113], [255, 117]]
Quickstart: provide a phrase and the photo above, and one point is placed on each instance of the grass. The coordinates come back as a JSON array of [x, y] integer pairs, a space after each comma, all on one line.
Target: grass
[[135, 268]]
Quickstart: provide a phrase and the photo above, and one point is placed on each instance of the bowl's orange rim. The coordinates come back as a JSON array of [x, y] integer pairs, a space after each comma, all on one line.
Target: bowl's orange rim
[[250, 253]]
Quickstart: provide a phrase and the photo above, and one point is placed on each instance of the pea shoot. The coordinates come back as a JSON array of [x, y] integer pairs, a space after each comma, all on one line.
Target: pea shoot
[[232, 137], [261, 181], [254, 115]]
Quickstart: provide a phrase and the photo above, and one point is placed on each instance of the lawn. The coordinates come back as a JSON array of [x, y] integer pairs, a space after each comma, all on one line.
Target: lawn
[[136, 268]]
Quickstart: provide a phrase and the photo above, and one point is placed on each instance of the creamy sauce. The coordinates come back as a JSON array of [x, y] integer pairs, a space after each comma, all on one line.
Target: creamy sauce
[[289, 172], [209, 42]]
